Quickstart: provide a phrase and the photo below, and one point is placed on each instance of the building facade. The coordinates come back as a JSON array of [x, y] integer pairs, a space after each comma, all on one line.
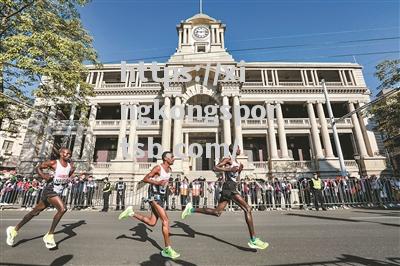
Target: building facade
[[293, 137]]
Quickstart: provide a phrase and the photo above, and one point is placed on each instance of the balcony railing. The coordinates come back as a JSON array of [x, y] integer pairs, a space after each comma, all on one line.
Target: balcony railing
[[291, 83], [246, 123], [113, 85], [102, 165], [107, 123], [344, 122], [261, 165], [150, 84], [253, 83], [350, 163], [302, 164], [201, 121], [333, 83], [297, 121], [145, 166]]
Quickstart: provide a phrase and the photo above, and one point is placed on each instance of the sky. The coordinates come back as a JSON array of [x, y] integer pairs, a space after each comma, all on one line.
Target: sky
[[362, 31]]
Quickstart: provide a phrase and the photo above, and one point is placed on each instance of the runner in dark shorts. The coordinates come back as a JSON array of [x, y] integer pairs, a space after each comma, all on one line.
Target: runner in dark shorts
[[158, 179], [231, 169], [63, 170]]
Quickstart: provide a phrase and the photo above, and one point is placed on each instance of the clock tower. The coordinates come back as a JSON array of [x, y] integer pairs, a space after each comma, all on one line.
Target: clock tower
[[201, 39]]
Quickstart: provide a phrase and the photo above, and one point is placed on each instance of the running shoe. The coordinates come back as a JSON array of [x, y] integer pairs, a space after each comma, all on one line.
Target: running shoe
[[187, 211], [170, 253], [48, 240], [258, 244], [128, 212], [11, 234]]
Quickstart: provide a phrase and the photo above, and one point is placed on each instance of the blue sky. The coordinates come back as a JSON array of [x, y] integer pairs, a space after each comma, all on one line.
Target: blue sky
[[133, 29]]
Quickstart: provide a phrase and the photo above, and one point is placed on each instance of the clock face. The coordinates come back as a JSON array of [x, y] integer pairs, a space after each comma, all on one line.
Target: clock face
[[201, 32]]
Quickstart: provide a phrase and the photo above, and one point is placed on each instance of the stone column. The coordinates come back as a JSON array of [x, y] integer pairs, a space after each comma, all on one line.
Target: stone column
[[314, 131], [90, 140], [357, 131], [271, 132], [281, 131], [76, 152], [324, 131], [28, 151], [132, 130], [177, 137], [237, 122], [166, 126], [122, 132], [48, 139], [226, 124]]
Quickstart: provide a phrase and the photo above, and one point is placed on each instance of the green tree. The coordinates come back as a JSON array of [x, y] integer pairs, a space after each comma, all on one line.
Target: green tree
[[42, 40], [387, 111]]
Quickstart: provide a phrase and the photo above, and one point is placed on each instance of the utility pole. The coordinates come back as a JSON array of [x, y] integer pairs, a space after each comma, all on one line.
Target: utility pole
[[343, 170]]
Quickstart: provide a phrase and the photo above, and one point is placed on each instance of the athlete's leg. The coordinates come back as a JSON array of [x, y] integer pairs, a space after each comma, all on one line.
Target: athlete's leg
[[160, 212], [152, 220], [215, 212], [247, 213], [38, 209], [61, 210]]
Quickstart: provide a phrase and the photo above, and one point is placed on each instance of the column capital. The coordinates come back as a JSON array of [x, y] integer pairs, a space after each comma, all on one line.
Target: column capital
[[278, 102], [133, 103], [124, 103], [311, 101], [320, 101]]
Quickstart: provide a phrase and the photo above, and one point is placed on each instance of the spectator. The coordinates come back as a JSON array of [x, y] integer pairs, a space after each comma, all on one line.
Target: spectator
[[106, 194], [317, 186], [269, 195], [287, 192], [91, 186], [278, 194], [184, 191], [120, 186], [195, 189]]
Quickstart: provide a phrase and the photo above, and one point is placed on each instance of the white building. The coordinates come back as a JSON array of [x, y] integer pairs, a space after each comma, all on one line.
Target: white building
[[294, 139], [11, 140]]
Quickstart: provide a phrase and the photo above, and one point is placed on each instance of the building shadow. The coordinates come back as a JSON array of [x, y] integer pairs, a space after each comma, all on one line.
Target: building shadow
[[349, 259], [68, 229], [140, 234], [340, 219], [57, 262], [189, 232]]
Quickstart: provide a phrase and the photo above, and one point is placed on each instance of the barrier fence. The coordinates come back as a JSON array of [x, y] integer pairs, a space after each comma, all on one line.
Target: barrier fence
[[260, 194]]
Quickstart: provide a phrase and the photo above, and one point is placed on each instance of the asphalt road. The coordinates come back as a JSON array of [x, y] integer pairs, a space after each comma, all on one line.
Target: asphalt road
[[339, 237]]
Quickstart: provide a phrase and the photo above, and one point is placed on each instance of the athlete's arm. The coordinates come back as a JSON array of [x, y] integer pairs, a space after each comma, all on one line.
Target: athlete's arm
[[221, 166], [154, 172], [71, 172], [45, 165]]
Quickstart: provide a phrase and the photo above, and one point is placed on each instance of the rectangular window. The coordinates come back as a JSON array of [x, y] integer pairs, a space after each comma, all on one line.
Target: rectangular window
[[201, 49], [7, 146]]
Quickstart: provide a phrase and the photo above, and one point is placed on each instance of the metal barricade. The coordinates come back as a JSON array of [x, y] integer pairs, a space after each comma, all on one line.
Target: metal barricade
[[259, 194]]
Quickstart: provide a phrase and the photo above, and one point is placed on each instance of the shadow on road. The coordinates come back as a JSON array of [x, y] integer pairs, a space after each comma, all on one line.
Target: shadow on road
[[340, 219], [68, 229], [57, 262], [348, 259], [140, 234], [192, 233], [387, 213], [157, 259]]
